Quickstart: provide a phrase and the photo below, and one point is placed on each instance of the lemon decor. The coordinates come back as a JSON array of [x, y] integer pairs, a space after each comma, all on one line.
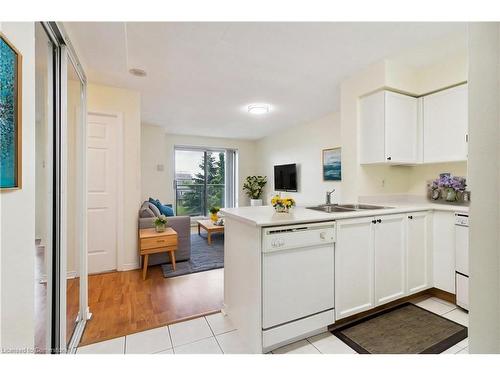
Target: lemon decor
[[213, 213], [282, 205]]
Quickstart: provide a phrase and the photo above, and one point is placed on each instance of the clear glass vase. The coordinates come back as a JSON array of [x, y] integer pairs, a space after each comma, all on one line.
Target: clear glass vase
[[160, 227], [282, 209], [451, 195]]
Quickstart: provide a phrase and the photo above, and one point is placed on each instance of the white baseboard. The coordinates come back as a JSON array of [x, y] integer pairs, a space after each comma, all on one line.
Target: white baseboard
[[129, 266]]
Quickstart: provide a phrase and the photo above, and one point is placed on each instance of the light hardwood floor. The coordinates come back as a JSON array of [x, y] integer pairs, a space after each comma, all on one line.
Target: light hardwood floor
[[122, 303]]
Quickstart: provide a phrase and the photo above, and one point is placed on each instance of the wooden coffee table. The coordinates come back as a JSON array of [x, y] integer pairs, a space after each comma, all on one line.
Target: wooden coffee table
[[152, 242], [210, 228]]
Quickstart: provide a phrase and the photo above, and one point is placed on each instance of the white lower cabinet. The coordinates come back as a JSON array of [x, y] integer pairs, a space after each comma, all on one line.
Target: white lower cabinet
[[390, 259], [418, 252], [443, 244], [380, 259], [354, 267]]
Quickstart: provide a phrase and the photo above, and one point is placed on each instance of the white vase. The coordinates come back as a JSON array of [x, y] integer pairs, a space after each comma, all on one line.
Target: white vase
[[255, 202]]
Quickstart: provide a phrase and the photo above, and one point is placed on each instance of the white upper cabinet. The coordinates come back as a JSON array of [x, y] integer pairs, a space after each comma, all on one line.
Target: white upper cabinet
[[445, 125], [389, 128]]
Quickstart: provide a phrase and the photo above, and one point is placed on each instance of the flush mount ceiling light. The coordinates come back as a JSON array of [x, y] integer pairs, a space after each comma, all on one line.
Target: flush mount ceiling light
[[137, 72], [258, 108]]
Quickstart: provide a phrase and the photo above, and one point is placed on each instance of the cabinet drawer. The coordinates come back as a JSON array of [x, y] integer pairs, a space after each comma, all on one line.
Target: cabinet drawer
[[155, 242]]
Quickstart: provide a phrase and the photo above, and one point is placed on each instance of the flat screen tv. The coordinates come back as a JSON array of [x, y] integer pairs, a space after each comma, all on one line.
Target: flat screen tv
[[285, 177]]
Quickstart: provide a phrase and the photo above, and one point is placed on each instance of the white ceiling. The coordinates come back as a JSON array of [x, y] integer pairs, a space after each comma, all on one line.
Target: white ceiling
[[201, 75]]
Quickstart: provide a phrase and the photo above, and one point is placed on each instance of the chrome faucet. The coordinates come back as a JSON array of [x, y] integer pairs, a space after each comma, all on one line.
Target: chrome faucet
[[329, 196]]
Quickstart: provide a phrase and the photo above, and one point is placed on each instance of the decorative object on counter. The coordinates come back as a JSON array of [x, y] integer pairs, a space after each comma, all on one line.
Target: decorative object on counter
[[332, 164], [449, 188], [282, 205], [10, 115], [160, 223], [253, 188], [213, 213]]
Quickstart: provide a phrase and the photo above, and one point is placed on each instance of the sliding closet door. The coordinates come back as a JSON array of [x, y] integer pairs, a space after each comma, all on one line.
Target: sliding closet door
[[45, 54], [73, 266]]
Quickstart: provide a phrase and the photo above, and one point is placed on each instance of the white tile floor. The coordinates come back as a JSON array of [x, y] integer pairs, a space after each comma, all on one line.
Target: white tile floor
[[214, 334]]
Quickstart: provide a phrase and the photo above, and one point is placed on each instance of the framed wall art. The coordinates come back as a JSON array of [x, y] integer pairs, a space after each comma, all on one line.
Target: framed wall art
[[332, 164], [10, 115]]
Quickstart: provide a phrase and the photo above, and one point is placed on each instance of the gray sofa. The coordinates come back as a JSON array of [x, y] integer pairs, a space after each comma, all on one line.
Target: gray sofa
[[181, 224]]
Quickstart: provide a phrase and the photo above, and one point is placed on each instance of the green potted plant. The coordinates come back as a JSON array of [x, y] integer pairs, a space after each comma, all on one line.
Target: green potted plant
[[160, 223], [213, 213], [253, 188]]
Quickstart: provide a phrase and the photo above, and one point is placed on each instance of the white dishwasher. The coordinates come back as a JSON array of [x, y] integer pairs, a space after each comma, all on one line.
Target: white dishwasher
[[297, 281]]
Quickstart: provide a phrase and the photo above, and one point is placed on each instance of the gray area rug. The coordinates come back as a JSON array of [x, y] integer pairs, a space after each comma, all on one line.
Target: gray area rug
[[404, 329], [204, 257]]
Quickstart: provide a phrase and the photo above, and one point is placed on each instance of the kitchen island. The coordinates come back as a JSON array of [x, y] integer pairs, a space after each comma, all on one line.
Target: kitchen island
[[289, 276]]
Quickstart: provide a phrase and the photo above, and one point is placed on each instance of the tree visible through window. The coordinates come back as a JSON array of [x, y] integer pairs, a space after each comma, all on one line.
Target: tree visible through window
[[199, 184]]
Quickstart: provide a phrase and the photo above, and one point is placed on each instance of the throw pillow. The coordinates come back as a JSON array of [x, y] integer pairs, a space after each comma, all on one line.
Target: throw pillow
[[156, 202], [145, 211], [155, 210], [166, 210]]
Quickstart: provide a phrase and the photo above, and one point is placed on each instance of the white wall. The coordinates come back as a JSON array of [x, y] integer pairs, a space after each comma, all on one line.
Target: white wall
[[364, 180], [158, 148], [128, 103], [380, 179], [484, 176], [154, 152], [302, 145], [17, 220]]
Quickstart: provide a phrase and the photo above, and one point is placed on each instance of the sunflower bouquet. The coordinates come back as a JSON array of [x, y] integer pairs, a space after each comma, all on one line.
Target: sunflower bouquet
[[282, 204]]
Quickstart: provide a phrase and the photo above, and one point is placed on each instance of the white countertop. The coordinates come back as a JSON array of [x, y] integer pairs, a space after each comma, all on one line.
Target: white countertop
[[266, 216]]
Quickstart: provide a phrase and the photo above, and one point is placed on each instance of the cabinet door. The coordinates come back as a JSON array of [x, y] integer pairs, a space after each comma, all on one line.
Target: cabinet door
[[353, 267], [371, 120], [400, 128], [443, 248], [446, 125], [390, 262], [418, 256]]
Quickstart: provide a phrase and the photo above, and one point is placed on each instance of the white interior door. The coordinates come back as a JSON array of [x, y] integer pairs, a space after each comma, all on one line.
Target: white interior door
[[102, 161]]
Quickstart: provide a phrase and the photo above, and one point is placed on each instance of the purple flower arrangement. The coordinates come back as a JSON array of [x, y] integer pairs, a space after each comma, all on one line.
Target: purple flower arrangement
[[447, 181]]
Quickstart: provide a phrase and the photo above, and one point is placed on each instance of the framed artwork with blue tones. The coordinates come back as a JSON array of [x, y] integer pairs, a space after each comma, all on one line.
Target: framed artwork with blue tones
[[10, 115], [332, 164]]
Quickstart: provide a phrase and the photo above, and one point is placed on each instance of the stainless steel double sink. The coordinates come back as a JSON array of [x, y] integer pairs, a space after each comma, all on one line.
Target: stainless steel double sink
[[345, 207]]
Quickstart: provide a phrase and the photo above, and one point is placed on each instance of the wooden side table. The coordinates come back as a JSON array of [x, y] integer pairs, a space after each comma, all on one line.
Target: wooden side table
[[152, 242], [210, 227]]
